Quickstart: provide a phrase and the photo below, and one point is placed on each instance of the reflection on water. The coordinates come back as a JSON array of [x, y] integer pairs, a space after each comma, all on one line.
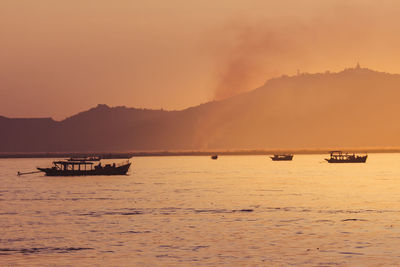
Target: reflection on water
[[237, 210]]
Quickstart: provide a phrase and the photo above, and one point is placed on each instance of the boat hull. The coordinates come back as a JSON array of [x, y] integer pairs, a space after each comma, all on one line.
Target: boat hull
[[355, 160], [120, 170], [285, 158]]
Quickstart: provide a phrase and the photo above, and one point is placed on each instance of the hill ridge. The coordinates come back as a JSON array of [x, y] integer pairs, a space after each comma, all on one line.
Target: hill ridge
[[352, 108]]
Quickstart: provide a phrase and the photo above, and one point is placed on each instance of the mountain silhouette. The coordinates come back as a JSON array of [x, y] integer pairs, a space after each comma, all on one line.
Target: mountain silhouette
[[357, 107]]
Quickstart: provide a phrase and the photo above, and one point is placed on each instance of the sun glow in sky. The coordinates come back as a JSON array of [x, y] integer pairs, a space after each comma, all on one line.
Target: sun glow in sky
[[61, 57]]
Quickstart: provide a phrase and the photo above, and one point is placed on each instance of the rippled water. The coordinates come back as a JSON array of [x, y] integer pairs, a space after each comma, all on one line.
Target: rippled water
[[237, 210]]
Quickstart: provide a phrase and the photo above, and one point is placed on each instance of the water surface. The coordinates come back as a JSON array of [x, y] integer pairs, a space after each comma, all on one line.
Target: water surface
[[237, 210]]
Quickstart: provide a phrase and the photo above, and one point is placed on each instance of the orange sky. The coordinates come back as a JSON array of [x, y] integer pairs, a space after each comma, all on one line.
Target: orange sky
[[61, 57]]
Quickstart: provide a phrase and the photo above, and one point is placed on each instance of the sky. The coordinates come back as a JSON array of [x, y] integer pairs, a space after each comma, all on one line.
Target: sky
[[58, 58]]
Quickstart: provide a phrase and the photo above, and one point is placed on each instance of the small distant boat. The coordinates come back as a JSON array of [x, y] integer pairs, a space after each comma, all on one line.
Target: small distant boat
[[344, 157], [282, 157], [85, 167], [214, 157]]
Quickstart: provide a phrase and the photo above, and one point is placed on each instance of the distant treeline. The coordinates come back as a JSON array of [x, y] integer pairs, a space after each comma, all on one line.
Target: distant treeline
[[124, 155]]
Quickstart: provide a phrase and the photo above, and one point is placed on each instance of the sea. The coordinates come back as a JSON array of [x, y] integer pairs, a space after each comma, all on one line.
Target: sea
[[195, 211]]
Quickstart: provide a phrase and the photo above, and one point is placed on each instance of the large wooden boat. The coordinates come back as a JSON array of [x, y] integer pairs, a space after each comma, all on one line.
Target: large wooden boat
[[282, 157], [341, 157], [85, 167]]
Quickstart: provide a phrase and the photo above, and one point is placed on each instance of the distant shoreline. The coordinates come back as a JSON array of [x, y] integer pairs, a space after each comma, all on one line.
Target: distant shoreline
[[121, 155]]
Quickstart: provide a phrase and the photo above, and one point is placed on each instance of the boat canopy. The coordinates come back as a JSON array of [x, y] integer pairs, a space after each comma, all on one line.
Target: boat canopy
[[337, 152], [83, 162], [85, 159]]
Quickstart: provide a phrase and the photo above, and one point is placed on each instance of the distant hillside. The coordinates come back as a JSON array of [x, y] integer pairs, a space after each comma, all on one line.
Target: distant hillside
[[354, 108]]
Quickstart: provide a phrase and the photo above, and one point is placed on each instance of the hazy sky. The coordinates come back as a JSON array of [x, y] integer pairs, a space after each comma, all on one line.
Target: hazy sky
[[61, 57]]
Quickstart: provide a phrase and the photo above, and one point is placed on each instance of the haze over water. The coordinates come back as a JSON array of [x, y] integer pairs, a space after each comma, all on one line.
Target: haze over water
[[237, 210]]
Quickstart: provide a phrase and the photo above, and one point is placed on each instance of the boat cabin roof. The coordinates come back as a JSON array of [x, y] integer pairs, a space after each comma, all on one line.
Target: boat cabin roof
[[338, 152], [64, 162], [85, 159]]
